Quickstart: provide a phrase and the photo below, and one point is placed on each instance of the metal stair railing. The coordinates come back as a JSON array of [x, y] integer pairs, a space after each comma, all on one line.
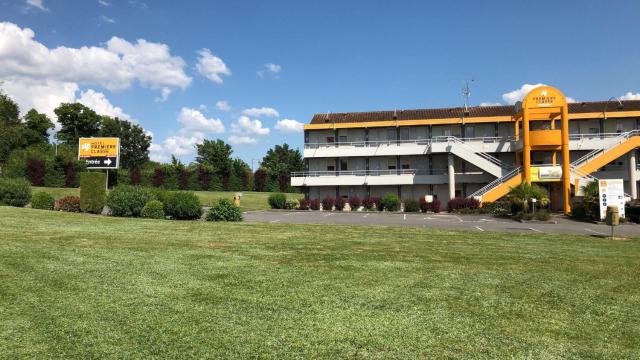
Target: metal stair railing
[[592, 154], [482, 154], [485, 189]]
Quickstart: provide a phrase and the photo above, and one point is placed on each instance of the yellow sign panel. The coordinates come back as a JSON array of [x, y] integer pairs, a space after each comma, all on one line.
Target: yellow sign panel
[[542, 97], [99, 153]]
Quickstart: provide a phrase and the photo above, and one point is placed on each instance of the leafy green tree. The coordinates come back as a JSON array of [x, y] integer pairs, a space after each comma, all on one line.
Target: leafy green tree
[[217, 154], [36, 126], [521, 195], [11, 130], [76, 121], [591, 199], [134, 142], [280, 161]]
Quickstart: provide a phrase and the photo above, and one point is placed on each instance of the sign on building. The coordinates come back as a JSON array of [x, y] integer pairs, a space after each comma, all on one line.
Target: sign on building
[[549, 173], [100, 153], [611, 193]]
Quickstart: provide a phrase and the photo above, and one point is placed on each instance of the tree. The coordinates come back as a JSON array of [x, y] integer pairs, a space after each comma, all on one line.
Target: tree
[[591, 199], [521, 195], [76, 121], [280, 162], [217, 154], [11, 130], [37, 126], [134, 142]]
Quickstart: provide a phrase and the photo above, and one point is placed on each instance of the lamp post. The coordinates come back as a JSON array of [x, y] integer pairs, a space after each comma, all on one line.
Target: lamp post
[[534, 201]]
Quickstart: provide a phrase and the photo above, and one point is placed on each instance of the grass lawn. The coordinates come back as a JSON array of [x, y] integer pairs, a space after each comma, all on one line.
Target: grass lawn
[[82, 286], [250, 200]]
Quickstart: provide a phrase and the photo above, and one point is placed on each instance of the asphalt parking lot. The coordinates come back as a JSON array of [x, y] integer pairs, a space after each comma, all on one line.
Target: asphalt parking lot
[[478, 223]]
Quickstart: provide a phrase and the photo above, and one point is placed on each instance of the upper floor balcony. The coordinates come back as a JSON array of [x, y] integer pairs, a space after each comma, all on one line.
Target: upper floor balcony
[[382, 177], [441, 144]]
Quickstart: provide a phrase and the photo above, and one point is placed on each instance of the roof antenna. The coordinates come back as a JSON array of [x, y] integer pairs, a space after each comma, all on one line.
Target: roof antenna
[[466, 92], [395, 114], [326, 117]]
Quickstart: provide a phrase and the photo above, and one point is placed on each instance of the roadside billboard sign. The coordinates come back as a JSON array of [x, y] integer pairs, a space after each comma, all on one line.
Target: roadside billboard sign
[[611, 193], [100, 153]]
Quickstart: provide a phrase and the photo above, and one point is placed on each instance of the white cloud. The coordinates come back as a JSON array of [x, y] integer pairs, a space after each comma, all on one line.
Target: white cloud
[[246, 126], [517, 95], [101, 105], [242, 140], [263, 111], [107, 19], [630, 96], [211, 66], [114, 66], [270, 68], [203, 107], [223, 105], [194, 120], [164, 95], [37, 4], [104, 3], [289, 126], [43, 96]]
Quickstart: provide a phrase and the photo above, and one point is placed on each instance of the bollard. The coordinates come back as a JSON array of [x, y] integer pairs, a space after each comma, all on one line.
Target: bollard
[[613, 217]]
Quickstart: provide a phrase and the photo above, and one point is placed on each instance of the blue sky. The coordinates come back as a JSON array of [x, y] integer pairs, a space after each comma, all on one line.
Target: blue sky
[[276, 63]]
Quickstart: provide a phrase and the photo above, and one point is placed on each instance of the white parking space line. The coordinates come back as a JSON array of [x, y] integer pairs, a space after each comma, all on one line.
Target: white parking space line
[[365, 216], [479, 228], [458, 217], [536, 230], [405, 217], [329, 214], [596, 232]]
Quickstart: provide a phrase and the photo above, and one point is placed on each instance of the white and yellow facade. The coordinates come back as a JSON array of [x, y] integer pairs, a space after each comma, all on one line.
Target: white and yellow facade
[[480, 151]]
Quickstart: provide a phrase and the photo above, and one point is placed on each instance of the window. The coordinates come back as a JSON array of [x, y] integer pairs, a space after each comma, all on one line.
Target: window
[[404, 133], [406, 167], [619, 128], [391, 134], [330, 139], [447, 132], [343, 165], [342, 138], [594, 130], [469, 132], [331, 168]]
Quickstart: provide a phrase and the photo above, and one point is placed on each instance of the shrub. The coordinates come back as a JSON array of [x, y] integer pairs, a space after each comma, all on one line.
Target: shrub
[[542, 215], [314, 204], [68, 203], [92, 192], [462, 204], [183, 205], [126, 201], [15, 192], [36, 170], [521, 195], [277, 201], [390, 202], [411, 206], [354, 202], [340, 203], [435, 206], [153, 209], [578, 211], [260, 180], [224, 210], [42, 200], [498, 208], [136, 177], [158, 177], [523, 216], [370, 202], [327, 203], [303, 204], [291, 204], [632, 210]]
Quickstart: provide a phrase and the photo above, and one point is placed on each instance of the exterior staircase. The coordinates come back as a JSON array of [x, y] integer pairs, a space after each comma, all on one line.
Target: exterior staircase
[[486, 162]]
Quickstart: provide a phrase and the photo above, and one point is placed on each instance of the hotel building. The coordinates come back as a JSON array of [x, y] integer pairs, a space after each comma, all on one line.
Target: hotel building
[[475, 151]]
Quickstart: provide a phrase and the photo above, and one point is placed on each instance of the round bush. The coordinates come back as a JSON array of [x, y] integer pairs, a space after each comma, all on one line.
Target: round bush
[[411, 206], [42, 200], [327, 203], [183, 205], [224, 210], [126, 201], [15, 192], [390, 202], [68, 203], [154, 209], [340, 203], [277, 201]]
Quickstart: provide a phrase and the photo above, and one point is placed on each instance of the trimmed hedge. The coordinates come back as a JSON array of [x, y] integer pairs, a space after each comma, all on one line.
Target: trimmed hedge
[[15, 192], [224, 210], [354, 202], [303, 204], [390, 202], [154, 209], [411, 206], [463, 205], [68, 203], [93, 189], [327, 203], [128, 201], [340, 203], [277, 201], [183, 205], [43, 201]]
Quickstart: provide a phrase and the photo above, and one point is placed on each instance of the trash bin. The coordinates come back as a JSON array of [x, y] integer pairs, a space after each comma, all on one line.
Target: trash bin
[[613, 215], [236, 201]]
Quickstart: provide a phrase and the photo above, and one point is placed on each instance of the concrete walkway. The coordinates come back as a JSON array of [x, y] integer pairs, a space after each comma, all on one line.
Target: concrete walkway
[[478, 223]]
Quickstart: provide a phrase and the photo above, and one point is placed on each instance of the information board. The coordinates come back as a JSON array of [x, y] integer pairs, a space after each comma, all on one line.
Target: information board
[[611, 193]]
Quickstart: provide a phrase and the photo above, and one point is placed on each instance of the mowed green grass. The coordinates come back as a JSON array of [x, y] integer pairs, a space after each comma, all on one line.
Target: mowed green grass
[[250, 200], [84, 286]]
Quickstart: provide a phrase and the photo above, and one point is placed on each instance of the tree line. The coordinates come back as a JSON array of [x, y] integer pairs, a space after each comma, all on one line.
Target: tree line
[[26, 151]]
